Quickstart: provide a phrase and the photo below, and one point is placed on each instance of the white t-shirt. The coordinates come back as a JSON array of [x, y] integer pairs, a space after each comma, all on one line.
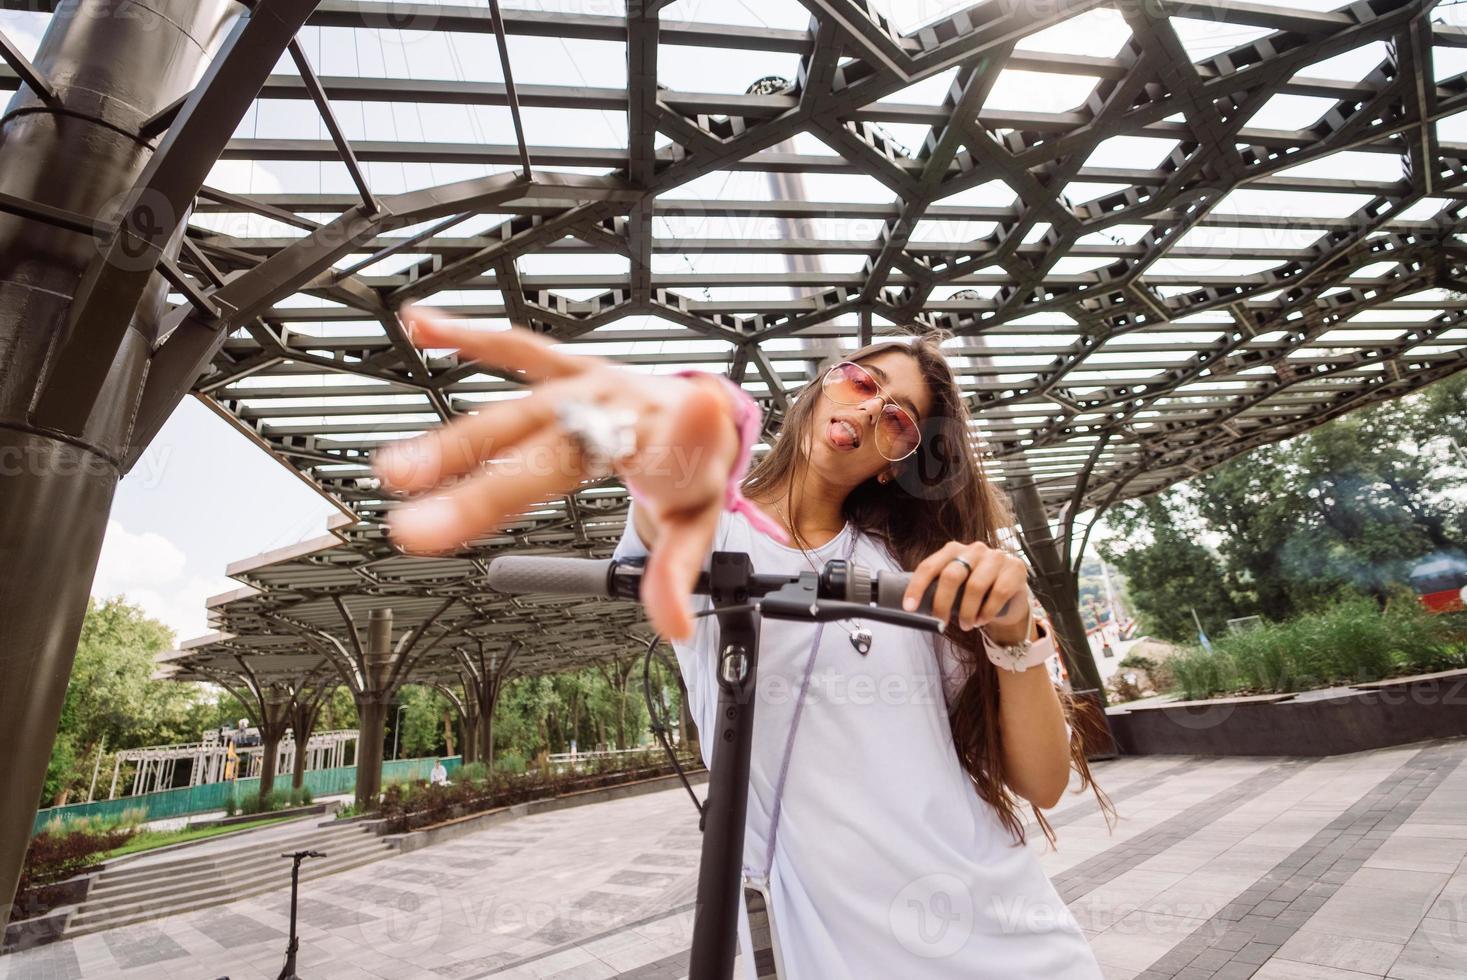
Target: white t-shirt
[[886, 862]]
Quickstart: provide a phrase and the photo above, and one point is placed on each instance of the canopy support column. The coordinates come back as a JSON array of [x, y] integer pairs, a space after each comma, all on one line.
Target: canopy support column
[[372, 703], [80, 308], [303, 711], [274, 720]]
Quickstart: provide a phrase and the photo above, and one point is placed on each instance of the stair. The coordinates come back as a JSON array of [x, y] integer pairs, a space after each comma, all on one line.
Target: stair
[[156, 889]]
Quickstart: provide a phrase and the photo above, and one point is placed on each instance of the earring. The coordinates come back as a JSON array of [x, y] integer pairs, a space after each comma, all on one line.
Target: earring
[[882, 479]]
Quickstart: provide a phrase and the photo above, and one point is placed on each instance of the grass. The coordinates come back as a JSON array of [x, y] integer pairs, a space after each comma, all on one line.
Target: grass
[[148, 840], [1351, 642]]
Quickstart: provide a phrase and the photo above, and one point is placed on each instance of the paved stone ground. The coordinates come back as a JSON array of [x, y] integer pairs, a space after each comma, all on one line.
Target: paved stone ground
[[1344, 868]]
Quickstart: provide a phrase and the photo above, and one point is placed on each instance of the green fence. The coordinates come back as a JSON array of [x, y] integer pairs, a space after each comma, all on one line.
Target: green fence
[[205, 799]]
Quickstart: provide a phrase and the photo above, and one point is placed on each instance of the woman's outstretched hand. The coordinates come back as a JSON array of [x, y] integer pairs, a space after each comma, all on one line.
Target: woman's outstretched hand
[[475, 474], [989, 582]]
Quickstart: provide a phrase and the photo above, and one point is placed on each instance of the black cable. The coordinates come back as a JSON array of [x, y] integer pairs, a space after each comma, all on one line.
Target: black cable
[[658, 726]]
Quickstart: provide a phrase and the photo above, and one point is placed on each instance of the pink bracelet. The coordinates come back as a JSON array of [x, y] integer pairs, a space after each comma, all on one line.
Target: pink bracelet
[[748, 418]]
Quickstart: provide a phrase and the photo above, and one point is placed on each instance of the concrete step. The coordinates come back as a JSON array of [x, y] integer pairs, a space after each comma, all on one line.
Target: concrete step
[[310, 834], [89, 919], [168, 882], [162, 888]]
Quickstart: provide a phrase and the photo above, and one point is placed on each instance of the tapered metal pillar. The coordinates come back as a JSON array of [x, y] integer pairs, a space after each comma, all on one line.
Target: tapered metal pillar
[[1060, 598], [372, 704], [1056, 586], [303, 710], [70, 384], [274, 721], [471, 722], [485, 689]]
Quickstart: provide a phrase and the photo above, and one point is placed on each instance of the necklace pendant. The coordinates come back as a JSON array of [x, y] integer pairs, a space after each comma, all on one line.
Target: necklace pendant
[[861, 640]]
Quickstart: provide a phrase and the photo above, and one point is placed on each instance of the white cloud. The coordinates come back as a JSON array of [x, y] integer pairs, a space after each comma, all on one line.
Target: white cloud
[[152, 572]]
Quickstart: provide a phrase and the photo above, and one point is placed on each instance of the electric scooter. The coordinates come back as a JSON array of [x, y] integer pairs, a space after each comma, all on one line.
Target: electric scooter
[[287, 972], [844, 590]]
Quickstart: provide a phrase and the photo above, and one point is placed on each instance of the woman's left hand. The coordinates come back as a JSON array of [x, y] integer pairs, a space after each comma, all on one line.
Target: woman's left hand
[[994, 593]]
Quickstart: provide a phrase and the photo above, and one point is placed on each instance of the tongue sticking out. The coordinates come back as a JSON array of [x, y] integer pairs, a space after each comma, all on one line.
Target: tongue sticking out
[[841, 435]]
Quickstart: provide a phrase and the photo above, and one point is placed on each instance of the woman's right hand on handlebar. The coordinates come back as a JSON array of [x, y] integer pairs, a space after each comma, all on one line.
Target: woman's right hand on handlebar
[[475, 474]]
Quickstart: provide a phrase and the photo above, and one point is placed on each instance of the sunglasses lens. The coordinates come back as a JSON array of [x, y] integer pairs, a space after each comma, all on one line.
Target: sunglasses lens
[[896, 433], [850, 384]]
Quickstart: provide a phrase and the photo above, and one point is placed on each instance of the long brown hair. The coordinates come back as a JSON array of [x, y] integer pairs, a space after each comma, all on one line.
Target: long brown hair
[[940, 494]]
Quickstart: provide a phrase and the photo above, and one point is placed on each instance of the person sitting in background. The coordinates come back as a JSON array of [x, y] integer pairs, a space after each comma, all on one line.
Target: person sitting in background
[[439, 775]]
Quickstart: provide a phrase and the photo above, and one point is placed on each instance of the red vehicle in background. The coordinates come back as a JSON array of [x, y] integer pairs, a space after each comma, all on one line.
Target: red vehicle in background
[[1440, 581]]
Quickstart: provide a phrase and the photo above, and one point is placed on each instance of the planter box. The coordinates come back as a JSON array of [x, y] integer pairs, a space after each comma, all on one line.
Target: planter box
[[295, 811], [475, 822], [1366, 716], [38, 931], [47, 927]]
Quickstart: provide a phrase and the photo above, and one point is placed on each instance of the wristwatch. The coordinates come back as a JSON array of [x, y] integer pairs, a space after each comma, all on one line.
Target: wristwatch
[[1024, 654]]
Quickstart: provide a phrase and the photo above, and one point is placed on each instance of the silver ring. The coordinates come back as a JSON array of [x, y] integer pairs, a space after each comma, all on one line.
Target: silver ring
[[603, 436], [959, 558]]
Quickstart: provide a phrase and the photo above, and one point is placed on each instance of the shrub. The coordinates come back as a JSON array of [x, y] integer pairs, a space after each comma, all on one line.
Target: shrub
[[51, 858], [1352, 641], [1263, 658], [472, 772], [1201, 674], [347, 810], [509, 762], [409, 806], [1426, 642], [300, 796], [132, 818], [1355, 640], [231, 805], [278, 799]]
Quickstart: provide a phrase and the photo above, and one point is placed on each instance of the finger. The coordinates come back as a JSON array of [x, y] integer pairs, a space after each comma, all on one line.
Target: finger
[[926, 570], [515, 349], [538, 467], [673, 568], [1009, 584], [985, 571], [415, 465], [955, 578]]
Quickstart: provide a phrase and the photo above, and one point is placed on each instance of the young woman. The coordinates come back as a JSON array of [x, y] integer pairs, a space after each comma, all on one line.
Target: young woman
[[884, 819]]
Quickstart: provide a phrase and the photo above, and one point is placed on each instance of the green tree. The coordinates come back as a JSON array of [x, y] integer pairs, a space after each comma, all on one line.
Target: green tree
[[112, 696], [1347, 508], [1169, 572], [422, 732]]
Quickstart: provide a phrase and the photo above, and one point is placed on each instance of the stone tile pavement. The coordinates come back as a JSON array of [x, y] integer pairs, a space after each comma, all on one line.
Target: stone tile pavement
[[1345, 868]]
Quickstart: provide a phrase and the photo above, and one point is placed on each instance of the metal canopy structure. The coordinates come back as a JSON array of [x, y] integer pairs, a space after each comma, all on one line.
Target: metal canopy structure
[[1107, 341], [296, 623], [1162, 234], [290, 618]]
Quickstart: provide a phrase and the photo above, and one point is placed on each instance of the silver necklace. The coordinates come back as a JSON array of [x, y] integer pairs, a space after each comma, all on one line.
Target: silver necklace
[[859, 636]]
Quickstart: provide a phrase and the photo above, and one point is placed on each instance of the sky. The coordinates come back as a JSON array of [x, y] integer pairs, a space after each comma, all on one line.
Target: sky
[[204, 496]]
